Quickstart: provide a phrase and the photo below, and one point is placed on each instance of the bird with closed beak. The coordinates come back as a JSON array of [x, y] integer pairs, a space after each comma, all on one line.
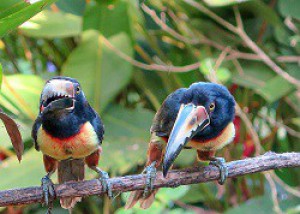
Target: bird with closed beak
[[69, 133], [199, 117]]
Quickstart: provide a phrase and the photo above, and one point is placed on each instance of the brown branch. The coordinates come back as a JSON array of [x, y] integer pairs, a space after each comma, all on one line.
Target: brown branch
[[175, 178], [153, 67]]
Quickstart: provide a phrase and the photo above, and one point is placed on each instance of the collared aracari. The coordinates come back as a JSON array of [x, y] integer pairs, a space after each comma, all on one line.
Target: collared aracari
[[198, 117], [68, 132]]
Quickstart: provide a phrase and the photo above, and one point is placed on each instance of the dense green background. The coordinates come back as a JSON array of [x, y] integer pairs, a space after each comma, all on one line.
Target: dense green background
[[72, 38]]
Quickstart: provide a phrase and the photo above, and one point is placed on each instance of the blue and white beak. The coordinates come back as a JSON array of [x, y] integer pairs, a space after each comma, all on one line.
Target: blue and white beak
[[190, 120]]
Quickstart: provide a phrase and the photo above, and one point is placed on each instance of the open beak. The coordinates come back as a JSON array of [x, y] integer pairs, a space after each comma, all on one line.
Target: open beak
[[58, 95], [190, 120]]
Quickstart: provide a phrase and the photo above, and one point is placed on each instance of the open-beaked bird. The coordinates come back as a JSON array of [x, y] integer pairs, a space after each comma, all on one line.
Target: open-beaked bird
[[69, 133], [198, 117]]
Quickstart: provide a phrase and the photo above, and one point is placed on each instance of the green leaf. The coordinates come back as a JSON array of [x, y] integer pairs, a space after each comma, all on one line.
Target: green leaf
[[168, 194], [289, 8], [156, 208], [185, 158], [126, 137], [207, 68], [294, 210], [163, 198], [100, 71], [75, 7], [275, 89], [1, 73], [15, 16], [29, 173], [262, 11], [220, 3], [25, 130], [254, 75], [152, 86], [262, 204], [194, 195], [48, 24], [296, 121], [109, 19], [10, 7], [20, 94]]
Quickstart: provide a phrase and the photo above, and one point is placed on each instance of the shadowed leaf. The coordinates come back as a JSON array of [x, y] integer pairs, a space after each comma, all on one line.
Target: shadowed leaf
[[14, 134]]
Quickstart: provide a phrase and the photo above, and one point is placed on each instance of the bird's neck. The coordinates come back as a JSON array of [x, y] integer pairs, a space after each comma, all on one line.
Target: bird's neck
[[216, 143], [62, 125]]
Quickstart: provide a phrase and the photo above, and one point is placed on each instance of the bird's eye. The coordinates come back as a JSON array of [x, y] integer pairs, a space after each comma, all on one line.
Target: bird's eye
[[78, 90], [212, 106]]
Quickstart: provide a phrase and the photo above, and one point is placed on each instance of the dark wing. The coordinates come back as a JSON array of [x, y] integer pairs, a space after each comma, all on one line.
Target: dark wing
[[37, 124], [96, 122], [165, 117]]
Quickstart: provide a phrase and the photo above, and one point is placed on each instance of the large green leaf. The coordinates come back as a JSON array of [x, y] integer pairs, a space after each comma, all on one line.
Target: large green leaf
[[28, 173], [163, 198], [0, 75], [10, 7], [100, 71], [20, 94], [289, 8], [263, 81], [24, 128], [126, 138], [109, 19], [48, 24], [19, 12], [75, 7], [263, 11], [262, 204], [275, 88]]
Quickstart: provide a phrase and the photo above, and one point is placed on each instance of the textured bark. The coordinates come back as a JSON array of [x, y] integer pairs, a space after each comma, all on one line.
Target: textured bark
[[175, 178]]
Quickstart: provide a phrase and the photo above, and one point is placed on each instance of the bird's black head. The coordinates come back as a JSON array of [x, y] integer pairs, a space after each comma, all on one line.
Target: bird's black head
[[218, 103], [205, 111], [63, 106]]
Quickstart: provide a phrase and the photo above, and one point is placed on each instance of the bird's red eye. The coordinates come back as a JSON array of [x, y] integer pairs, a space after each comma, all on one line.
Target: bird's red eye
[[212, 106]]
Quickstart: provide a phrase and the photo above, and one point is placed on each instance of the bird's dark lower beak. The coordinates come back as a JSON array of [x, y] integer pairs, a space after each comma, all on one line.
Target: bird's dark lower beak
[[64, 103], [190, 120]]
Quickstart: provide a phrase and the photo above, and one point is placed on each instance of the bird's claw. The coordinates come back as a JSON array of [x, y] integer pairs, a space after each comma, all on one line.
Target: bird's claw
[[150, 172], [219, 162], [48, 193], [106, 185]]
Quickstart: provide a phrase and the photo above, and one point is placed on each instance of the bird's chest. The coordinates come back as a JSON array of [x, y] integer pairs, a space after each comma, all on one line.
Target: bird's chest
[[79, 145], [216, 143]]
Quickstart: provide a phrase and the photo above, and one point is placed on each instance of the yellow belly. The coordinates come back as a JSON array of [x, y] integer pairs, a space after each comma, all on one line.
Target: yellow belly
[[217, 143], [78, 146]]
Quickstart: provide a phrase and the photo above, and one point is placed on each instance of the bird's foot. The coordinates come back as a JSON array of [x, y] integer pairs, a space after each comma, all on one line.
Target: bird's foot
[[48, 193], [150, 172], [219, 162], [106, 185]]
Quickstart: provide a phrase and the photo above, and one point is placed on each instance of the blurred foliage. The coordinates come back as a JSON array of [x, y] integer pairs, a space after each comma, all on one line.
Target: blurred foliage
[[71, 38]]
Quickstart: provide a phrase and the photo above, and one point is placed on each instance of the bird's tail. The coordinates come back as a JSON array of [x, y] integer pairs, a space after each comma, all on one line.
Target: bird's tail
[[138, 196], [70, 170]]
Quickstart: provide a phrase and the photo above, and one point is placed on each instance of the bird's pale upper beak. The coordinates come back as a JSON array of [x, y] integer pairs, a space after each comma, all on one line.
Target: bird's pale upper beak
[[57, 95], [190, 120]]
